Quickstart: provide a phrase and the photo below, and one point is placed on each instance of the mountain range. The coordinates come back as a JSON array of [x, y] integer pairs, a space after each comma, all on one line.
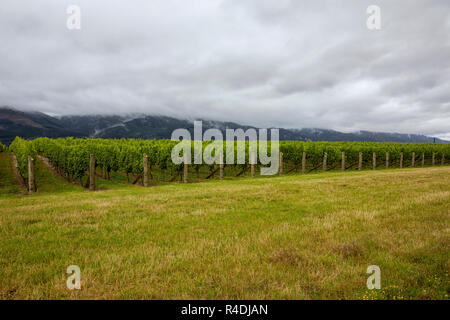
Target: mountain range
[[36, 124]]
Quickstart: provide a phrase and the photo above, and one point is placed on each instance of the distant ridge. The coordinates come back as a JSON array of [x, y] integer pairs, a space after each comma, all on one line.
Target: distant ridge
[[35, 124]]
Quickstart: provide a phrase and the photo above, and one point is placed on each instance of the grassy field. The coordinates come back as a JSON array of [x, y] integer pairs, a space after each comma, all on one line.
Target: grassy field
[[293, 237]]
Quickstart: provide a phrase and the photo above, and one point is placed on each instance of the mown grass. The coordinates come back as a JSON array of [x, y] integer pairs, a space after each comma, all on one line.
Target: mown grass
[[8, 184], [48, 182], [295, 237]]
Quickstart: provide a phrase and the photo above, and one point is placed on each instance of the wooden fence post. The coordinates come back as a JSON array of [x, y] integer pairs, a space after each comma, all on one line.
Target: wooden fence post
[[325, 157], [92, 172], [433, 159], [303, 162], [360, 161], [374, 160], [387, 160], [343, 161], [252, 164], [221, 167], [423, 159], [145, 170], [280, 168], [31, 182], [443, 159], [401, 160], [186, 168], [413, 159]]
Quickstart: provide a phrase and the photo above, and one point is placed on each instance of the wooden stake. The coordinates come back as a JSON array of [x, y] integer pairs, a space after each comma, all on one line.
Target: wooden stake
[[325, 156], [186, 168], [343, 161], [374, 160], [423, 159], [221, 167], [145, 170], [387, 160], [92, 172], [31, 182], [433, 159], [360, 161], [401, 159], [303, 162], [252, 164], [280, 170], [413, 159], [443, 159]]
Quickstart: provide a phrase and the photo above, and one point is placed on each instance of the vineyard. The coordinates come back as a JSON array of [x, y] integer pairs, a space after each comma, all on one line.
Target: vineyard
[[299, 236], [149, 161]]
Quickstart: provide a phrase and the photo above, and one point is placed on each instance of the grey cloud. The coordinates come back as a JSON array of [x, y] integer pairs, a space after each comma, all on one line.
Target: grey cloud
[[284, 63]]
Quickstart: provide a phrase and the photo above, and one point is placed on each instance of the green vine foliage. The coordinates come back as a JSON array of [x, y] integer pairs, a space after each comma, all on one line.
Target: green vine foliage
[[126, 155], [22, 149]]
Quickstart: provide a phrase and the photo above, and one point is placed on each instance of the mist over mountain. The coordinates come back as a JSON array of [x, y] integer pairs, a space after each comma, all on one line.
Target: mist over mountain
[[35, 124]]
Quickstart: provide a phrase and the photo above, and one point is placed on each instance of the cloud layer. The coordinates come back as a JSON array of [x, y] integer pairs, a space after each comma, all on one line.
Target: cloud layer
[[287, 63]]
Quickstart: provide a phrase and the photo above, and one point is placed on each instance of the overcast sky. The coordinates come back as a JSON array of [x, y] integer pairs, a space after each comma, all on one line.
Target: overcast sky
[[265, 63]]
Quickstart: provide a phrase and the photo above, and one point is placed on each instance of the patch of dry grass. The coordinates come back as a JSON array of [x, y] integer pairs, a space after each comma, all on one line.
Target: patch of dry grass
[[293, 237]]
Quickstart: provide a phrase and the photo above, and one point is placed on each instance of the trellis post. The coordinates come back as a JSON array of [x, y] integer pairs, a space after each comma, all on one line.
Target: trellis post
[[145, 170], [360, 161], [92, 172], [303, 162], [374, 160], [31, 181], [186, 168], [221, 167], [280, 168], [252, 164]]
